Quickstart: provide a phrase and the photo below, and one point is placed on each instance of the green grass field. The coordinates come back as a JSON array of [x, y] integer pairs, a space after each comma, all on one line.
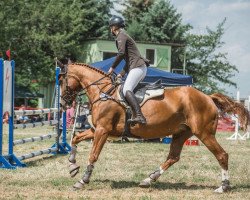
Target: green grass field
[[122, 166]]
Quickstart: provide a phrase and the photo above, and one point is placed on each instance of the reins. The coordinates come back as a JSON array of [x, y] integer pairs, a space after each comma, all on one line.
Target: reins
[[70, 94]]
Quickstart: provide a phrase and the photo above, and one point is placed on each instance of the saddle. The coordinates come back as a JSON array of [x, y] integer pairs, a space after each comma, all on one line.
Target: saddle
[[143, 92]]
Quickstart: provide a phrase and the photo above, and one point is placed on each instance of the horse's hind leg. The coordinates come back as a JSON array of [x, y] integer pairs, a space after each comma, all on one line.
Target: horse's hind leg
[[173, 156], [222, 157], [73, 167]]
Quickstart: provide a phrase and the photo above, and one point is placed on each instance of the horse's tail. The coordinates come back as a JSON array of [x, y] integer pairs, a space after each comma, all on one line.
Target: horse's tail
[[227, 105]]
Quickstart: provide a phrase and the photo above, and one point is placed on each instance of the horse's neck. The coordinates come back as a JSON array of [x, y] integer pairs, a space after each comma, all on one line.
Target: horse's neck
[[87, 77]]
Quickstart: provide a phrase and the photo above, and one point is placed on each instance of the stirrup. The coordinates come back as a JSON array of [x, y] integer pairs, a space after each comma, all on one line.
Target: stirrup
[[137, 120]]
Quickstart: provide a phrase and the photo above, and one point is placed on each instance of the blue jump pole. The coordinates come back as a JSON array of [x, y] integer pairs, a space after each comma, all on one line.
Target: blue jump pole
[[15, 162], [10, 161], [11, 121], [63, 147]]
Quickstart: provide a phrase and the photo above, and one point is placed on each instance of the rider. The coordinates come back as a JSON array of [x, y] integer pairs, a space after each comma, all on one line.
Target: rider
[[136, 65]]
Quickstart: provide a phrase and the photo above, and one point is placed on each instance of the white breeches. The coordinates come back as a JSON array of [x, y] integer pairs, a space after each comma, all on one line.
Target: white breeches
[[134, 77]]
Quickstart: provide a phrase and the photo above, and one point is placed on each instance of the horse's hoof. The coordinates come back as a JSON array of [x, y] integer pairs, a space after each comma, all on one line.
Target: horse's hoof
[[73, 169], [144, 184], [78, 185], [223, 189], [72, 159]]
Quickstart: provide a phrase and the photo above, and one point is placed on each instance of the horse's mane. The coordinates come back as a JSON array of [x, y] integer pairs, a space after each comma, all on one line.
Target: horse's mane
[[90, 67]]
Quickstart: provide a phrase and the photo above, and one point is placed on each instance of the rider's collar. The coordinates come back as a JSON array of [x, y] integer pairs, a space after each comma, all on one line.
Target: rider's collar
[[121, 30]]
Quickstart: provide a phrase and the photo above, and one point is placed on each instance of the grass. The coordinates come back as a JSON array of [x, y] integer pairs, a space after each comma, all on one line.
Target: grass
[[121, 167]]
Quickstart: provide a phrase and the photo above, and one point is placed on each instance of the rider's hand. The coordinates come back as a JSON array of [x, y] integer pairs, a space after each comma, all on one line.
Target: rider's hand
[[118, 79], [110, 70]]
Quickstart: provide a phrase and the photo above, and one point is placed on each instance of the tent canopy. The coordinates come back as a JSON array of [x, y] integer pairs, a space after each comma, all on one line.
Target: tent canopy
[[153, 74]]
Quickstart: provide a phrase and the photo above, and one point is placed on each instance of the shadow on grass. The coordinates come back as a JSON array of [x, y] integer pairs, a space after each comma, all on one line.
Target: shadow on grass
[[39, 161], [241, 186], [157, 185]]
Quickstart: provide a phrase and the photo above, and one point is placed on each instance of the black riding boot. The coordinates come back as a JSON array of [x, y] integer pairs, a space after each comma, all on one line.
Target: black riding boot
[[138, 118]]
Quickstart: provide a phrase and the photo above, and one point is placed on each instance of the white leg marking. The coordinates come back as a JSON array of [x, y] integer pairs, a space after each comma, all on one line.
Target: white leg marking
[[225, 175], [161, 170]]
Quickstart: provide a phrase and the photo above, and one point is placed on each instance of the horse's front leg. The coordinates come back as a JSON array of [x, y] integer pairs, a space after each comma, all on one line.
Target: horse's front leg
[[100, 137], [73, 167]]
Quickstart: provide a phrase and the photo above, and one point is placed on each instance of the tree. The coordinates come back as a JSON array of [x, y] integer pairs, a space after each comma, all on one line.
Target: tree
[[206, 63], [37, 31], [160, 22], [135, 9]]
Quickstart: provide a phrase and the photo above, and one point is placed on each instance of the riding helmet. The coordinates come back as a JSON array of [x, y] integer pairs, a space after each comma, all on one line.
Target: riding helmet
[[117, 21]]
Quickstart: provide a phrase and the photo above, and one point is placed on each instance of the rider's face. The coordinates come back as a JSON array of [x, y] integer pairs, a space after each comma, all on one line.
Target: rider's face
[[113, 30]]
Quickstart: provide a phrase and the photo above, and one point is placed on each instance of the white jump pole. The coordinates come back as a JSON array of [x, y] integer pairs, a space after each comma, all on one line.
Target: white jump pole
[[236, 134]]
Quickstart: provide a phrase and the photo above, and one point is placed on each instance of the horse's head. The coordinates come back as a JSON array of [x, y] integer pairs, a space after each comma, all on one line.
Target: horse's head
[[69, 86], [81, 77]]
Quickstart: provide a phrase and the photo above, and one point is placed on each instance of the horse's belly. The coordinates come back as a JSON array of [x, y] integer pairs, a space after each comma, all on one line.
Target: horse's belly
[[160, 126], [151, 133], [163, 118]]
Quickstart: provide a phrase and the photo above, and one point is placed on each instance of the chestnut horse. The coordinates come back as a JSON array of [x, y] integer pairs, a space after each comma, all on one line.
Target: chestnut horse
[[181, 112]]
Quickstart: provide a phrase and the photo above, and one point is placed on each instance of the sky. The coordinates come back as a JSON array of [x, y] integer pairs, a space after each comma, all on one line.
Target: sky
[[209, 13]]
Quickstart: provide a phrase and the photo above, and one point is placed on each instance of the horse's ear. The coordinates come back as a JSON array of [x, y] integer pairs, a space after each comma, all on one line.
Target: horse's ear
[[62, 67], [60, 64], [69, 61]]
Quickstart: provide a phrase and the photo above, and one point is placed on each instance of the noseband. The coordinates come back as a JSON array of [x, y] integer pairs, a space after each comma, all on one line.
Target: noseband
[[69, 95]]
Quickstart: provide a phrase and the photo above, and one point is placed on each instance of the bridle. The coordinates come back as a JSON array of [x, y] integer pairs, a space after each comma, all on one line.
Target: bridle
[[70, 94]]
